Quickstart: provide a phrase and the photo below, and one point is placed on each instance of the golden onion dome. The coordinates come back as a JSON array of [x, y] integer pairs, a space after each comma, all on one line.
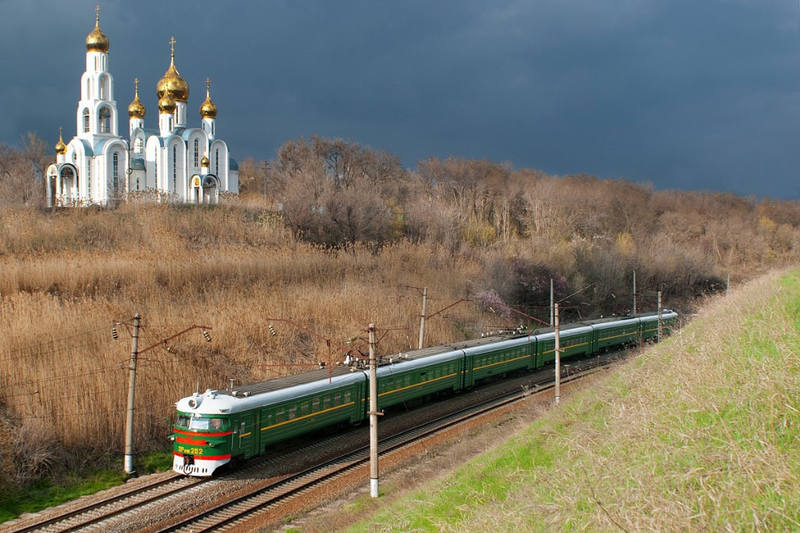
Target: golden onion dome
[[166, 104], [207, 108], [172, 83], [97, 41], [136, 109], [61, 148], [204, 162]]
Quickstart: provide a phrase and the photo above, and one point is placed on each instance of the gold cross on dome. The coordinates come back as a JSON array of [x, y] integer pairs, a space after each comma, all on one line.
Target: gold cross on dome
[[172, 46], [136, 85], [97, 15], [208, 85]]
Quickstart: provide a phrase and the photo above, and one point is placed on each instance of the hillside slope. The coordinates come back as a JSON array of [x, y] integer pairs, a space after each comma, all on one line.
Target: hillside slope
[[701, 432]]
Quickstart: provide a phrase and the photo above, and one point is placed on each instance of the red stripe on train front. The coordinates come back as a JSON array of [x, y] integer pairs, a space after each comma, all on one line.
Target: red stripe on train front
[[186, 440], [206, 457], [196, 434]]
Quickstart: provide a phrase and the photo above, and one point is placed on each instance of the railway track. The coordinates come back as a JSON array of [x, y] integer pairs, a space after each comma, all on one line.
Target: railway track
[[83, 516], [261, 498]]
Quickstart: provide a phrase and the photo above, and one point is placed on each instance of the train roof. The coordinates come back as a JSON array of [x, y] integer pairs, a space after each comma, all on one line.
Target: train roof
[[278, 389], [213, 402], [290, 381]]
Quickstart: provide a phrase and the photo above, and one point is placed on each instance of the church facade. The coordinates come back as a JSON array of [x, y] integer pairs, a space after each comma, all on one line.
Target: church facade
[[170, 163]]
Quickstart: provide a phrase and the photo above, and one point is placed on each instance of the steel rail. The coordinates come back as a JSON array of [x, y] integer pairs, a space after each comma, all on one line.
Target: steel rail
[[131, 493], [223, 514]]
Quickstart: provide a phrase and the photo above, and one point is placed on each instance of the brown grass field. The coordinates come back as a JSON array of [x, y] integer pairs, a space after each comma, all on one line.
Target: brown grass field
[[67, 276], [64, 378]]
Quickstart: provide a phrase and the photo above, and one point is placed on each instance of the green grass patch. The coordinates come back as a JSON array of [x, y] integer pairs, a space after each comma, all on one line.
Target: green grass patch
[[700, 433], [155, 462], [47, 494]]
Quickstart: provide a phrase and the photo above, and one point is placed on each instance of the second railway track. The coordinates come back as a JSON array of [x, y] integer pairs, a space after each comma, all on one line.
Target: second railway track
[[263, 494], [261, 498]]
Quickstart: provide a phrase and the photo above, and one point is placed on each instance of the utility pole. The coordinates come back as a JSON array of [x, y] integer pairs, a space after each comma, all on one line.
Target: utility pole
[[373, 416], [131, 391], [660, 330], [558, 357], [551, 302], [728, 284], [634, 293], [422, 316]]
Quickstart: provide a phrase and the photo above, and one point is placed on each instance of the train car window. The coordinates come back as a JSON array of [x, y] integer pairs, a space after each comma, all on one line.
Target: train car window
[[315, 404], [292, 412], [304, 408], [337, 398], [326, 402], [206, 423], [183, 421], [280, 415], [347, 396]]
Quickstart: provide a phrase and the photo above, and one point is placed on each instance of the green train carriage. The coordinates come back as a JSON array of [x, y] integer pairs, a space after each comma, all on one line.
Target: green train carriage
[[252, 417], [214, 427]]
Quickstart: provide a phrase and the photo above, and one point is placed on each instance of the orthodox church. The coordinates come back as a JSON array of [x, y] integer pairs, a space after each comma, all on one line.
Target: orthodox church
[[173, 163]]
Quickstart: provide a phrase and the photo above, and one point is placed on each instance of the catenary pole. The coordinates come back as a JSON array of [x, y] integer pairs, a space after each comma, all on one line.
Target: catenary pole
[[373, 416], [660, 330], [634, 293], [422, 317], [131, 391], [551, 302], [558, 356]]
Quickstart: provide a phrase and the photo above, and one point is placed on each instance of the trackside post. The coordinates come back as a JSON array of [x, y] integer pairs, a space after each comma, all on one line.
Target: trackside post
[[373, 416], [558, 356], [422, 317], [128, 462], [660, 327]]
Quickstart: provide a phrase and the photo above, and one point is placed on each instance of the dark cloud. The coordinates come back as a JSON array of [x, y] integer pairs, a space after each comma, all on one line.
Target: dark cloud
[[683, 94]]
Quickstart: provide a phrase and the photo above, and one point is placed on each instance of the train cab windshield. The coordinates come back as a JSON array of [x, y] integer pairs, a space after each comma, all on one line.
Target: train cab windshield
[[200, 423]]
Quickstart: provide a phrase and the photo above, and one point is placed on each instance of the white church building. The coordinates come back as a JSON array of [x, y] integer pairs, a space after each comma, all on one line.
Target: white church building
[[171, 163]]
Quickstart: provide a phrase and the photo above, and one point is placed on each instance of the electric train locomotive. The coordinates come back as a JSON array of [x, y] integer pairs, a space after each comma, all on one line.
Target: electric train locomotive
[[214, 427]]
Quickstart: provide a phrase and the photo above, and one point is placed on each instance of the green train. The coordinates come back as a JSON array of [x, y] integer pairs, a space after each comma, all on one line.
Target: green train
[[216, 426]]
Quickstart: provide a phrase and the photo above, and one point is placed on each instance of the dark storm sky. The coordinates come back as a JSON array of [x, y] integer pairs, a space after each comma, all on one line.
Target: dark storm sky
[[700, 94]]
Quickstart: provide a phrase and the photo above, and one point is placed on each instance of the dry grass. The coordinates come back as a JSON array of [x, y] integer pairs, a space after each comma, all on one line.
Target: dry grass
[[700, 433], [228, 268], [66, 276]]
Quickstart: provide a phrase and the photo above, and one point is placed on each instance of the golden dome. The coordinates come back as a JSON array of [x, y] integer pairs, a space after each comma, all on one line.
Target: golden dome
[[204, 162], [172, 83], [136, 109], [166, 104], [207, 108], [61, 148], [97, 41]]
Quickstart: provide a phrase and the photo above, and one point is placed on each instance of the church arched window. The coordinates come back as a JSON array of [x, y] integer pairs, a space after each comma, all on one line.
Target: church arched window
[[105, 120], [175, 168], [103, 87], [115, 174], [216, 162], [196, 151], [86, 121]]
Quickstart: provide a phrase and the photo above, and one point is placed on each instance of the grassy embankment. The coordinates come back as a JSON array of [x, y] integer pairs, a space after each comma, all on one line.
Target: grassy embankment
[[699, 433]]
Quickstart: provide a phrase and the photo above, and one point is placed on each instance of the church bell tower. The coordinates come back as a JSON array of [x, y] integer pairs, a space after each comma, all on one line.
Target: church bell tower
[[97, 109]]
